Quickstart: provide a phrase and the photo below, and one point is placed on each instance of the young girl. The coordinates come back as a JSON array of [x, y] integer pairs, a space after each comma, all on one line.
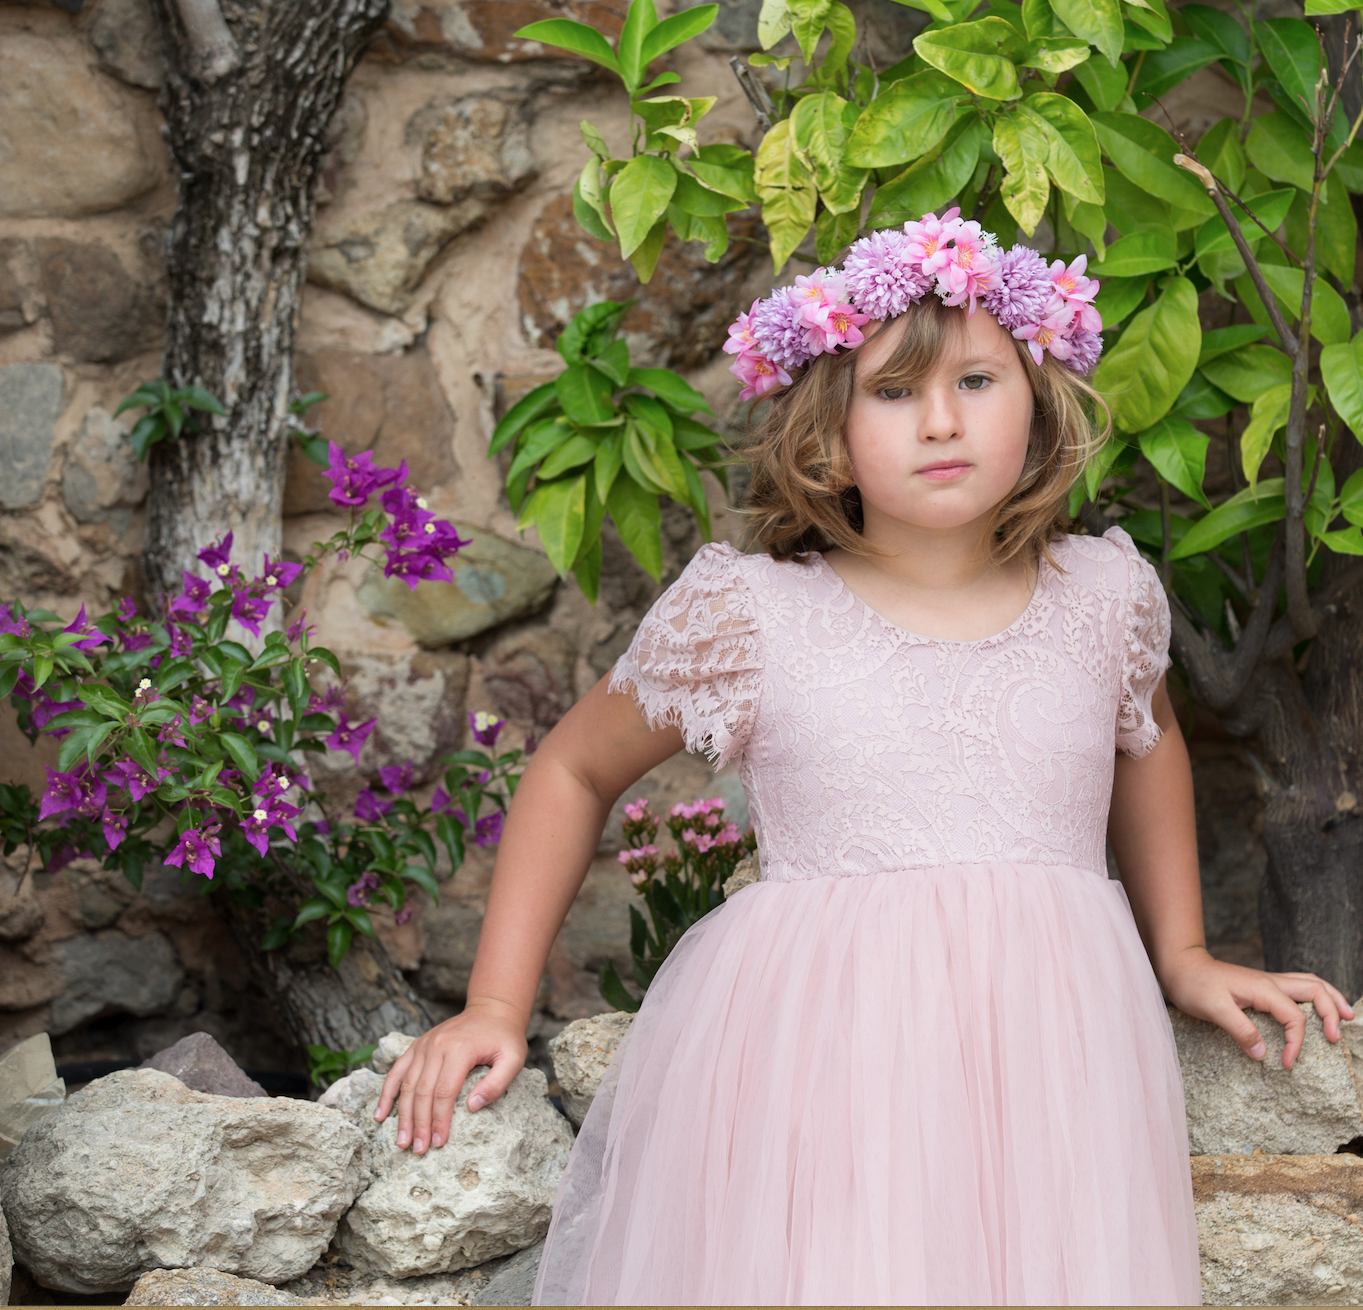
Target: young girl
[[925, 1059]]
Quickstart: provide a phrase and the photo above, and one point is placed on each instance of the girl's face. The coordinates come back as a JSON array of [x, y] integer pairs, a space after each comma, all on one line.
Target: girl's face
[[942, 454]]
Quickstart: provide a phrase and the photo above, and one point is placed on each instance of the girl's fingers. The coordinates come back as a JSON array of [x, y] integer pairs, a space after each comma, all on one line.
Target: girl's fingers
[[1329, 1001], [389, 1092], [493, 1083], [1286, 1011], [407, 1096], [1240, 1026]]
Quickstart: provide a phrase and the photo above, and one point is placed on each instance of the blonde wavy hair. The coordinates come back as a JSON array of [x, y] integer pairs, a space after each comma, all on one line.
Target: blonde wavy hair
[[802, 495]]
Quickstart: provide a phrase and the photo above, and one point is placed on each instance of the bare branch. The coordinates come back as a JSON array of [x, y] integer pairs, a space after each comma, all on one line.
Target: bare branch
[[215, 50], [754, 90], [1283, 636]]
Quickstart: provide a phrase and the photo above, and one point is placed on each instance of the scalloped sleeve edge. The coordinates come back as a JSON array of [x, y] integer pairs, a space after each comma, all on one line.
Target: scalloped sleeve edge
[[1145, 655]]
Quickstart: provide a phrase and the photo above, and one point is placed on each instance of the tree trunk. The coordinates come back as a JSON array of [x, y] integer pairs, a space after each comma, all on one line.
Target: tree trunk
[[250, 88]]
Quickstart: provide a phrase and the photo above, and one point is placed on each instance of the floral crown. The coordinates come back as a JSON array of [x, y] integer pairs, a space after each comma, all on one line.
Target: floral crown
[[1050, 308]]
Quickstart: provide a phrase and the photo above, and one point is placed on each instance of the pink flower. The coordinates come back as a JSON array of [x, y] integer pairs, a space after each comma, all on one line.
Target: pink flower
[[971, 271], [822, 287], [758, 375], [834, 325], [1070, 283], [930, 237], [740, 334], [637, 810], [1046, 335], [402, 916], [351, 736]]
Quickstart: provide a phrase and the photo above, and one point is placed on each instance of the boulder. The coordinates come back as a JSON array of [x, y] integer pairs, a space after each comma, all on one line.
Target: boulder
[[391, 1048], [31, 400], [103, 481], [514, 1282], [69, 138], [136, 1172], [29, 1089], [124, 35], [204, 1287], [100, 312], [1237, 1105], [487, 1192], [494, 580], [111, 973], [529, 675], [476, 145], [483, 30], [203, 1066], [1280, 1229], [24, 984], [380, 258], [581, 1054]]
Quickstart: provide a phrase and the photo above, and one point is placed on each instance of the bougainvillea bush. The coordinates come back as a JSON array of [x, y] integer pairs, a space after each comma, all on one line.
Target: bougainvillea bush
[[182, 744]]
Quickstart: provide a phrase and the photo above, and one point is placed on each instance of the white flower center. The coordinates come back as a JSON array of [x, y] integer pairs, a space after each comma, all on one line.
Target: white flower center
[[223, 570], [260, 816]]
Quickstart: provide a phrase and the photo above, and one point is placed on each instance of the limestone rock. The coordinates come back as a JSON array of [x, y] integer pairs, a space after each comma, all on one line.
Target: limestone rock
[[100, 312], [483, 30], [69, 140], [514, 1282], [476, 145], [1237, 1105], [103, 481], [392, 1047], [381, 257], [1280, 1229], [31, 399], [6, 1261], [529, 675], [111, 973], [204, 1287], [351, 1094], [136, 1172], [123, 33], [29, 1090], [203, 1066], [681, 317], [487, 1192], [581, 1054], [746, 871], [494, 580]]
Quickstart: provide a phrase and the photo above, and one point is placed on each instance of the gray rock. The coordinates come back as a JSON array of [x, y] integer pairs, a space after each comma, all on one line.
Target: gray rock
[[203, 1066], [123, 33], [111, 973], [24, 984], [6, 1261], [31, 399], [100, 312], [487, 1192], [18, 307], [581, 1053], [1237, 1105], [746, 871], [1280, 1230], [351, 1094], [204, 1287], [391, 1048], [494, 580], [29, 1089], [450, 932], [136, 1172], [475, 146], [514, 1282], [345, 136], [380, 258], [103, 481], [529, 675]]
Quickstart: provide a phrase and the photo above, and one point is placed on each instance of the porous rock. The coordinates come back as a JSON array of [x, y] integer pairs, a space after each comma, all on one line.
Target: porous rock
[[391, 1048], [203, 1066], [514, 1282], [103, 480], [494, 580], [487, 1192], [1280, 1229], [476, 145], [1237, 1105], [581, 1053], [746, 871], [111, 973], [29, 1089], [345, 136], [17, 305], [136, 1172], [31, 399], [204, 1287]]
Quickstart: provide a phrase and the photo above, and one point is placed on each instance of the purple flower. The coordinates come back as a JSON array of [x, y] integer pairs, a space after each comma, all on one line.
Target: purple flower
[[357, 894], [276, 782], [197, 848], [368, 807], [279, 574], [777, 325], [331, 699], [63, 856], [1087, 347], [296, 628], [134, 779], [79, 790], [531, 741], [353, 481], [127, 609], [402, 916], [193, 599], [350, 736], [1025, 289], [881, 279], [440, 801], [170, 733], [488, 831], [181, 643], [397, 777], [81, 625], [115, 828], [486, 727], [45, 709], [219, 557], [135, 641], [199, 710], [271, 812], [8, 623], [249, 611]]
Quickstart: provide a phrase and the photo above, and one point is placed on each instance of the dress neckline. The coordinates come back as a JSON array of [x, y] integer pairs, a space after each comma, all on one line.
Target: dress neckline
[[1043, 565]]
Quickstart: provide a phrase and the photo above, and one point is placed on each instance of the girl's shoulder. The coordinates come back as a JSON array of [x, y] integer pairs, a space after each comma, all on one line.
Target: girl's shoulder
[[1110, 562]]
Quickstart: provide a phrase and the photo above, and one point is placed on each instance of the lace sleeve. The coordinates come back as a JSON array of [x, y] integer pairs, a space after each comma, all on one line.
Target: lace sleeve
[[696, 660], [1146, 654]]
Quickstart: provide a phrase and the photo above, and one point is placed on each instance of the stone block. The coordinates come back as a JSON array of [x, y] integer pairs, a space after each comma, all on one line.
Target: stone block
[[69, 140], [514, 1282], [100, 313], [482, 30], [746, 872], [205, 1287], [495, 580], [476, 145], [487, 1192], [681, 317], [380, 258], [1237, 1105], [31, 399], [1280, 1229], [136, 1172], [529, 675], [29, 1090], [203, 1066], [111, 973], [103, 481], [17, 309], [24, 984], [124, 35], [581, 1053]]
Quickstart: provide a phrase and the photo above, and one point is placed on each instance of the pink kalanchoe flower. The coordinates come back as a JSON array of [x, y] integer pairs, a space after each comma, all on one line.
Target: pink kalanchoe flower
[[740, 333], [1047, 335], [930, 238], [824, 286], [637, 810], [196, 848], [1070, 283], [835, 325], [758, 375]]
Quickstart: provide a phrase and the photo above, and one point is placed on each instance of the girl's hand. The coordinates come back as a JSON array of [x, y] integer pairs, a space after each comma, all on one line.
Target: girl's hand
[[426, 1080], [1209, 989]]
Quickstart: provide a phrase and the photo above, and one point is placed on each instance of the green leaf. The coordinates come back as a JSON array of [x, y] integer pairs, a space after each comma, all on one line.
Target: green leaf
[[242, 752], [1221, 341], [1351, 498], [1219, 149], [339, 933], [692, 197], [1118, 297], [575, 37], [315, 907], [587, 194], [1270, 207], [1074, 161], [1143, 152], [1151, 17], [1097, 21], [1199, 399], [1162, 70], [674, 31], [1056, 54], [1178, 452], [639, 194], [1292, 51], [613, 361], [528, 407], [636, 516], [927, 184], [595, 142], [1137, 256], [73, 748], [1336, 232], [573, 453], [585, 394], [773, 22], [1347, 541], [1105, 84], [1241, 513], [641, 19], [807, 21], [557, 510], [1276, 145], [609, 457], [1267, 415], [1341, 367], [666, 385], [1143, 373], [1024, 150], [834, 231], [587, 570], [787, 191], [727, 169], [822, 124], [140, 747], [1248, 372], [1329, 314], [198, 398], [978, 55], [900, 124], [1222, 30], [1129, 209]]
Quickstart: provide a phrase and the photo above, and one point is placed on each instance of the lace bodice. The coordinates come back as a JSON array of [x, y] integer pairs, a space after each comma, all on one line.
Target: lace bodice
[[864, 747]]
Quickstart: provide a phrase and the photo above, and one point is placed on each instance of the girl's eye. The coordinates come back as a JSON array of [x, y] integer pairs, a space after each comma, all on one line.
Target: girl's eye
[[974, 381], [893, 393]]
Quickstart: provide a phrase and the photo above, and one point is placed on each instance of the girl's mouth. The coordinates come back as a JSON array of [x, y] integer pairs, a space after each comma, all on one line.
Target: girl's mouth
[[944, 471]]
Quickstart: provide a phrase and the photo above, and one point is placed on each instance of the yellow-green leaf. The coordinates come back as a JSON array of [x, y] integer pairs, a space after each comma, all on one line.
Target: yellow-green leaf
[[978, 55], [1024, 150], [1142, 374], [1268, 414]]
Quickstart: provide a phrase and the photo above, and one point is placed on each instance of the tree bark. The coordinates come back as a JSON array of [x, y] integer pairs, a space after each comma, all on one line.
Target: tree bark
[[250, 88]]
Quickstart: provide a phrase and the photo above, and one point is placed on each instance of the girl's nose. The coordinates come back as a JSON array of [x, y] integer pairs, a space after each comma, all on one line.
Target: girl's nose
[[941, 415]]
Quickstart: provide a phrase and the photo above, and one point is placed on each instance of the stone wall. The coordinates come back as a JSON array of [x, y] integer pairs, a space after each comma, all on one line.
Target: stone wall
[[445, 259]]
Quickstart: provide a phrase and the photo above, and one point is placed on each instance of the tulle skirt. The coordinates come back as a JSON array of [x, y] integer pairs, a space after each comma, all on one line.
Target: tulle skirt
[[950, 1086]]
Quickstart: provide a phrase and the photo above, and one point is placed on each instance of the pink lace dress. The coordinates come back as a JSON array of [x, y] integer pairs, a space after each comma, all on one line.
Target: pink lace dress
[[924, 1060]]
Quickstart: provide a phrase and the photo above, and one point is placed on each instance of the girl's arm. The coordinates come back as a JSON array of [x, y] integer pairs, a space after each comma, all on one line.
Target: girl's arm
[[553, 827], [1154, 837]]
